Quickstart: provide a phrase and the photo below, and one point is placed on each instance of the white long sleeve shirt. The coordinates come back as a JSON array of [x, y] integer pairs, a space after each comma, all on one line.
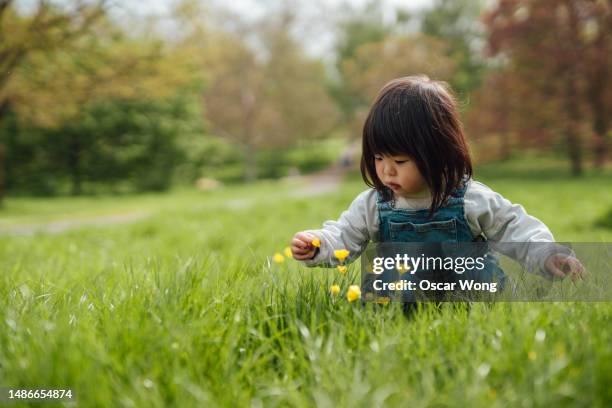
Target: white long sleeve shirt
[[487, 213]]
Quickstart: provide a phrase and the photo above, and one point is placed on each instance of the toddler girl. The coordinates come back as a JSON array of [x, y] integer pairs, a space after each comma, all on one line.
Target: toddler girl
[[416, 160]]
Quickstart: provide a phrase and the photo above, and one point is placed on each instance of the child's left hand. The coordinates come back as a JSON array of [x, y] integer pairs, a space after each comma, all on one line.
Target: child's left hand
[[562, 265]]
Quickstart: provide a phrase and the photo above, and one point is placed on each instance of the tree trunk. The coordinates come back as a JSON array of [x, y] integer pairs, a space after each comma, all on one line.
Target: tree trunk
[[74, 164], [572, 136], [4, 108], [250, 173], [504, 147], [596, 98], [2, 183], [600, 149], [572, 113]]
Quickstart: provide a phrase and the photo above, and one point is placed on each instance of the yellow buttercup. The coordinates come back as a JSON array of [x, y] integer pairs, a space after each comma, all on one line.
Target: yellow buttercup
[[354, 293], [341, 254]]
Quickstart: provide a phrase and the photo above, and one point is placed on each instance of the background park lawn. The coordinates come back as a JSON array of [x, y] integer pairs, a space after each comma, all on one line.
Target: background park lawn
[[183, 307]]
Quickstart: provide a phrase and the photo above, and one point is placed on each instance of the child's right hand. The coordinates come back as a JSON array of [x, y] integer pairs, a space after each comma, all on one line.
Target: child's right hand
[[302, 247], [562, 265]]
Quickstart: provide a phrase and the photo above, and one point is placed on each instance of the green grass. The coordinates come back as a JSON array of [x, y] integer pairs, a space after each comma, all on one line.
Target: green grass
[[184, 308]]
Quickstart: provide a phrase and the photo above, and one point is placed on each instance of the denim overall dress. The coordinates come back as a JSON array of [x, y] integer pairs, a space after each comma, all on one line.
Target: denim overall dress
[[440, 235]]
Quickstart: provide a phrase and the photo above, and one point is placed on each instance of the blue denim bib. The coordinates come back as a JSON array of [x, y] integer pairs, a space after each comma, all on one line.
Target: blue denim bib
[[446, 226]]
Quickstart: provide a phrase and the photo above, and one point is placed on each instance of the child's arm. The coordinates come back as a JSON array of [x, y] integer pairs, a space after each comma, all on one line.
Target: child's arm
[[352, 231], [517, 234]]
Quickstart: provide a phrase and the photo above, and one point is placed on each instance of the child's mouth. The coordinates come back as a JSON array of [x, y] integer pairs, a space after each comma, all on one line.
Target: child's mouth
[[394, 186]]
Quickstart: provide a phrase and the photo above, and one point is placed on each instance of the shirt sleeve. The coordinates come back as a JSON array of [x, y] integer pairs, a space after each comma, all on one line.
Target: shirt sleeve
[[508, 227], [352, 231]]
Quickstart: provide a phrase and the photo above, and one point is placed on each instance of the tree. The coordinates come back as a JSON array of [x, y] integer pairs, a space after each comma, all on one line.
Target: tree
[[597, 34], [360, 27], [503, 114], [558, 48], [457, 23], [376, 63], [274, 96], [47, 28], [53, 95]]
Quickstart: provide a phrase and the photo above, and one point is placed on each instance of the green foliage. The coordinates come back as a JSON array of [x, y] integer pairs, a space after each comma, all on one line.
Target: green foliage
[[359, 28], [114, 140], [307, 157], [456, 22], [315, 155], [223, 161], [27, 164], [605, 221], [266, 103]]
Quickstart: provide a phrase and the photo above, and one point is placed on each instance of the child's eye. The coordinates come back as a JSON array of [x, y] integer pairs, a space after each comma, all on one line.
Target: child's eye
[[401, 161], [377, 158]]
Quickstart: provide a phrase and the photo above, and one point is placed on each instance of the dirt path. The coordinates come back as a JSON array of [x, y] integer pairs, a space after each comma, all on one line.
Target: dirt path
[[59, 226], [329, 179], [306, 186], [324, 182]]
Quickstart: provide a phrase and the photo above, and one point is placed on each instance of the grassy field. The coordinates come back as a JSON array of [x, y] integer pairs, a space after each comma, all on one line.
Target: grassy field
[[185, 308]]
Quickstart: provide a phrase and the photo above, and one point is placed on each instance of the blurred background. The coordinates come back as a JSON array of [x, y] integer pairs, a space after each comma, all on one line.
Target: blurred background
[[116, 97]]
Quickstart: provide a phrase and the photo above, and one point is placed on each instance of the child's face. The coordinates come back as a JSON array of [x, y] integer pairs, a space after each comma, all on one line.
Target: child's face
[[400, 174]]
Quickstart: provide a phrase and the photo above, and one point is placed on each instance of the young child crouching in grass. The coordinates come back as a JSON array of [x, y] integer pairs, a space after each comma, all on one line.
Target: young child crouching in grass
[[416, 160]]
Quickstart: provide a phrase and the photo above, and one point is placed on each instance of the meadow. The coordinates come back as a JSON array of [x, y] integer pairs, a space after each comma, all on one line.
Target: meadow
[[184, 307]]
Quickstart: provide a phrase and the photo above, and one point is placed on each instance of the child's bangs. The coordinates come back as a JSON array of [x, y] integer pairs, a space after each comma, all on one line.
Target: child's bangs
[[388, 142]]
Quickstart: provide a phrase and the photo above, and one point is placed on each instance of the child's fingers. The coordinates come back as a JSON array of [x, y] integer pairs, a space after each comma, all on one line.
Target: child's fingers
[[301, 246], [561, 266], [299, 243], [555, 271], [299, 251], [297, 246], [552, 266], [570, 266], [309, 238], [306, 239], [302, 257], [575, 269]]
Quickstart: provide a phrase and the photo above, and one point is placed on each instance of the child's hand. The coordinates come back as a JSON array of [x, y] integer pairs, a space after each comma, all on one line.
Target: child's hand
[[562, 265], [302, 247]]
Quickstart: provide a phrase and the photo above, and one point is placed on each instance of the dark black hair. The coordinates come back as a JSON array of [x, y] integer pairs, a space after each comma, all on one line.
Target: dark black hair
[[417, 117]]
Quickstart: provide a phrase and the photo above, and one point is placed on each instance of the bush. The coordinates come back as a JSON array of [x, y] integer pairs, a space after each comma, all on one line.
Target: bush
[[605, 221], [112, 141]]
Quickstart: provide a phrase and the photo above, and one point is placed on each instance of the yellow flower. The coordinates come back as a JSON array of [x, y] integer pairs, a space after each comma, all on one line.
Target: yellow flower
[[342, 269], [532, 355], [278, 258], [287, 252], [401, 269], [383, 300], [335, 289], [353, 293], [341, 254], [316, 243]]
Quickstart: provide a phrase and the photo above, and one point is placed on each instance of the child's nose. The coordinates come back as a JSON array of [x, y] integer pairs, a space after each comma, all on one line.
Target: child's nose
[[390, 169]]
